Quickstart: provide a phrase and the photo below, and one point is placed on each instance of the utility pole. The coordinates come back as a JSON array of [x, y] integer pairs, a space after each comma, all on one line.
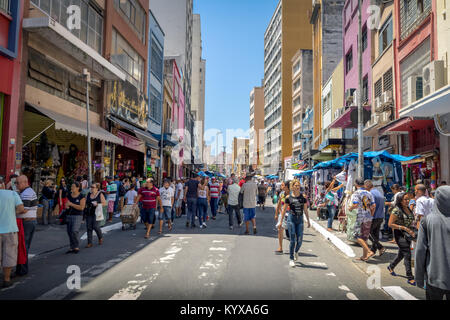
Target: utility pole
[[87, 74], [360, 97], [224, 160]]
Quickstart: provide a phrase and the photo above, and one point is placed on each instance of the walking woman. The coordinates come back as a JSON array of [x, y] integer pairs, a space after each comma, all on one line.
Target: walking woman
[[48, 194], [298, 205], [402, 222], [62, 194], [93, 200], [332, 201], [279, 217], [202, 202], [75, 207]]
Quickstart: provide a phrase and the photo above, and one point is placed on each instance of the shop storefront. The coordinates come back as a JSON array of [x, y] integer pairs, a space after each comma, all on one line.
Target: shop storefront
[[55, 146]]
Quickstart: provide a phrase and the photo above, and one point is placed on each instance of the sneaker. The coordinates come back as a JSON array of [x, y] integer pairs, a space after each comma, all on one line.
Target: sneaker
[[240, 224], [231, 227], [246, 232], [291, 263], [214, 218], [296, 256], [201, 227], [254, 230], [207, 218], [204, 225]]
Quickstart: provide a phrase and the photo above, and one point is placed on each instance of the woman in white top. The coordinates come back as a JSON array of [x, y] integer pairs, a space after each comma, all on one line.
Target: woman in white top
[[202, 202]]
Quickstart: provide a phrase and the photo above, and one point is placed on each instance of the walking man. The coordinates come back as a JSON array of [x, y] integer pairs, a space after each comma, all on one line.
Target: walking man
[[214, 190], [167, 199], [179, 197], [432, 263], [249, 190], [149, 197], [10, 205], [233, 203], [378, 217], [424, 204], [30, 203], [363, 201], [190, 195], [262, 194]]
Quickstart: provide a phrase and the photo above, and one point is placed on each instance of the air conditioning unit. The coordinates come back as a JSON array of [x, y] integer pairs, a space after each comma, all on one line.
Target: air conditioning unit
[[377, 104], [415, 89], [386, 97], [385, 117], [433, 77]]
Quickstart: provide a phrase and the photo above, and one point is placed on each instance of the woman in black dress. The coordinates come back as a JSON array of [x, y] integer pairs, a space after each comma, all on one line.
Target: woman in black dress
[[75, 207], [93, 200]]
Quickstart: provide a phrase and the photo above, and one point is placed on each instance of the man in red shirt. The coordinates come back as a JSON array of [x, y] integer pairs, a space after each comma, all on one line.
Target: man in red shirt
[[241, 183], [149, 198]]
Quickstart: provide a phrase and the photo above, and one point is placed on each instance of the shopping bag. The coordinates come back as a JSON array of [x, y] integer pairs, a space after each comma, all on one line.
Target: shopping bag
[[99, 212]]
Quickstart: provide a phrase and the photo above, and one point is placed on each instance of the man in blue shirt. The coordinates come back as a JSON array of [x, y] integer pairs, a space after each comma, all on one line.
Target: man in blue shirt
[[378, 217], [10, 204]]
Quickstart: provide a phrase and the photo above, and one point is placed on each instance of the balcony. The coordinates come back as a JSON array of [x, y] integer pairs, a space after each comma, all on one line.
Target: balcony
[[347, 117], [47, 30]]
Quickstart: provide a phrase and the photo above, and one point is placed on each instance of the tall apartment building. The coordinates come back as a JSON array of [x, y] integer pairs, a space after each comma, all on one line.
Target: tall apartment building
[[302, 99], [326, 18], [256, 134], [240, 155], [198, 88], [288, 30]]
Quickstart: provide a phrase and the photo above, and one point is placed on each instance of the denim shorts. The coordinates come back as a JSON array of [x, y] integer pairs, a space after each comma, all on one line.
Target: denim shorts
[[166, 215], [249, 214], [148, 215]]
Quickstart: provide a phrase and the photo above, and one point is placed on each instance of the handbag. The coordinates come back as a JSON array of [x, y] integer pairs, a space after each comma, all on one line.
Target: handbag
[[99, 213]]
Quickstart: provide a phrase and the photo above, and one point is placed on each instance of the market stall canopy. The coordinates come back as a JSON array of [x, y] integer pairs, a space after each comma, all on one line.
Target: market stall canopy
[[304, 173], [65, 123]]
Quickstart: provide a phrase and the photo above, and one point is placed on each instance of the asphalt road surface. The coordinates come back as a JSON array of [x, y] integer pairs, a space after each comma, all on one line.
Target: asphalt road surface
[[200, 264]]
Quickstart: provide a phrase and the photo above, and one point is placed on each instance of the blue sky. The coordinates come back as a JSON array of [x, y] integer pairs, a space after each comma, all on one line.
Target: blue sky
[[233, 46]]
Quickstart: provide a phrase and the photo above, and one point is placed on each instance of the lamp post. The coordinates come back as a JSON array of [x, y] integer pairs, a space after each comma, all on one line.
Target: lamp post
[[360, 97], [87, 75]]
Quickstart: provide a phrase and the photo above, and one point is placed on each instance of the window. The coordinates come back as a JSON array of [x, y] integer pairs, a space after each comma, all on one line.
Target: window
[[91, 31], [297, 85], [378, 88], [135, 14], [420, 6], [385, 36], [4, 6], [364, 38], [349, 61], [388, 81], [156, 61], [155, 104], [124, 56], [365, 89]]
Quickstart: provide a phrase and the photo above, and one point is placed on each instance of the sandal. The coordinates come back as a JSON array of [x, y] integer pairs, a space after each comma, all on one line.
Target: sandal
[[159, 232], [412, 282], [146, 236], [370, 256], [381, 251], [279, 251]]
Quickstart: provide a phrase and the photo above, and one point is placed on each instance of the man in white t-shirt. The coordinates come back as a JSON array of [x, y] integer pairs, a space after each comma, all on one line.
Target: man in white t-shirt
[[166, 194], [179, 195], [424, 204], [30, 203], [131, 195]]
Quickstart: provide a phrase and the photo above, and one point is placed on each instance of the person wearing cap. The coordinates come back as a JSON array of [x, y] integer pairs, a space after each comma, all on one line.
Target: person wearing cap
[[432, 263], [363, 201]]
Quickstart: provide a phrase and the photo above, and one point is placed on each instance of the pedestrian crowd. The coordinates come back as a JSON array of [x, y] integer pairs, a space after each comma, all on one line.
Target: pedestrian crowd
[[419, 219]]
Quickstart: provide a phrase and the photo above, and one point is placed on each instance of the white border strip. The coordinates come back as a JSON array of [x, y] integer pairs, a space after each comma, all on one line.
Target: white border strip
[[112, 227], [338, 243], [398, 293]]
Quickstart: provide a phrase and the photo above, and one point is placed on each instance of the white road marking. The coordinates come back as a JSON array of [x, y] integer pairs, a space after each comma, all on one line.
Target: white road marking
[[105, 230], [320, 264], [341, 245], [173, 250], [398, 293], [217, 249], [351, 296], [133, 292], [345, 288], [331, 274], [217, 241], [139, 275]]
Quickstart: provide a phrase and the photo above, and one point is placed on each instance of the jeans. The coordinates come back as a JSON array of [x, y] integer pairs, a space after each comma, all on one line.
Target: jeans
[[375, 234], [191, 210], [295, 226], [433, 293], [172, 213], [331, 214], [47, 211], [29, 228], [93, 225], [404, 252], [214, 202], [237, 211], [166, 213], [202, 206], [73, 230]]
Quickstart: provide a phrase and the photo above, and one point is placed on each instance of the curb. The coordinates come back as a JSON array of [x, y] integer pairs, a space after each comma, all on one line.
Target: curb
[[338, 243]]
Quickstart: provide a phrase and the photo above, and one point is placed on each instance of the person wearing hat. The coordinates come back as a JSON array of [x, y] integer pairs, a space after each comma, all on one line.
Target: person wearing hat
[[432, 263]]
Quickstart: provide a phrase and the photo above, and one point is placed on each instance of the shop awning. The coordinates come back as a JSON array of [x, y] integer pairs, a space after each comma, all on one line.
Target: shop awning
[[63, 39], [331, 144], [141, 134], [65, 123], [345, 120], [406, 125], [436, 103]]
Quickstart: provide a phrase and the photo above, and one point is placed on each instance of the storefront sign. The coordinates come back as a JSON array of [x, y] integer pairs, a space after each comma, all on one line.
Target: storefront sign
[[131, 142], [126, 102]]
